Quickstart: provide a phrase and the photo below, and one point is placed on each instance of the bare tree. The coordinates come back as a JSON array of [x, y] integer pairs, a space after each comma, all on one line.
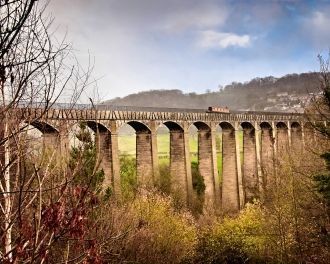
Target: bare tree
[[33, 74], [323, 106], [318, 111]]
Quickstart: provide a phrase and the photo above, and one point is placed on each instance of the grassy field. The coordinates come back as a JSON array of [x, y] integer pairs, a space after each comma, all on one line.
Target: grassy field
[[127, 146]]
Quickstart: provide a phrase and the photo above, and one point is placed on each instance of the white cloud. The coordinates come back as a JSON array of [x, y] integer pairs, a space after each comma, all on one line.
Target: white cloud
[[320, 21], [316, 29], [214, 39], [198, 17]]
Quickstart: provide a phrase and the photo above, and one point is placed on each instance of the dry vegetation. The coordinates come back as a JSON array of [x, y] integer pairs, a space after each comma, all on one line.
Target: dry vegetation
[[54, 210]]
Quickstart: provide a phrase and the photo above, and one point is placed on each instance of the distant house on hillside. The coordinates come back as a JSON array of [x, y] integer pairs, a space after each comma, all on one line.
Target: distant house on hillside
[[271, 100], [282, 94]]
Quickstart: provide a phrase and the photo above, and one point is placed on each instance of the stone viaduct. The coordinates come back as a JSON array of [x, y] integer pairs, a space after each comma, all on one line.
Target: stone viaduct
[[264, 135]]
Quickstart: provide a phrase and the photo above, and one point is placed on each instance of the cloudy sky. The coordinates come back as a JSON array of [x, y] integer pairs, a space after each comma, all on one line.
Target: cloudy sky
[[192, 45]]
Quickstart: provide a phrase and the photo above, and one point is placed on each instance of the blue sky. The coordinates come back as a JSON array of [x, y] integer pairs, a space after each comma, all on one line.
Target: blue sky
[[192, 45]]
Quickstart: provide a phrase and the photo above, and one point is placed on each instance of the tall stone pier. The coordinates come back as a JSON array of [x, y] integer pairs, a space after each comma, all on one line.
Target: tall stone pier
[[205, 162], [250, 176], [267, 150], [144, 169], [177, 162], [230, 192]]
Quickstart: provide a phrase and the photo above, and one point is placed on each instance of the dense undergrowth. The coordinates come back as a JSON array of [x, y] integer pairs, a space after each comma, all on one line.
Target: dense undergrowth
[[290, 224], [87, 224]]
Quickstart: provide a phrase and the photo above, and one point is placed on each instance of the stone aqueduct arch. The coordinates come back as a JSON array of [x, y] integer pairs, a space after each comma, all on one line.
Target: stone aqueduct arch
[[263, 137]]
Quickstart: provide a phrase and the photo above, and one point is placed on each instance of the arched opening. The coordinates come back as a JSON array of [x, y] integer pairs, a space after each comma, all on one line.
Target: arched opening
[[163, 155], [44, 127], [247, 126], [218, 147], [102, 137], [32, 145], [51, 137], [282, 138], [309, 134], [171, 153], [139, 153], [308, 126], [173, 126], [295, 126], [126, 141], [230, 198], [97, 127], [200, 144], [250, 176], [320, 130], [80, 134], [267, 151], [265, 126], [127, 159], [87, 131], [296, 136], [281, 125], [90, 148], [31, 138], [139, 127]]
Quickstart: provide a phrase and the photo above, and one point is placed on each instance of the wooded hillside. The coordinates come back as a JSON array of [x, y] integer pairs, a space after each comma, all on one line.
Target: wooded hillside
[[288, 93]]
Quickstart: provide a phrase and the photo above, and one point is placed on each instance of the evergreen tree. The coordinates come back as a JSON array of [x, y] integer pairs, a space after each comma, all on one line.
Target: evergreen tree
[[89, 173], [322, 110]]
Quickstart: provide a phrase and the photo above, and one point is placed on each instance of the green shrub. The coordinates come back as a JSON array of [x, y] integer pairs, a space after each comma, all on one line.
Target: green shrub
[[322, 181], [197, 179], [128, 176], [197, 202], [83, 160], [234, 240]]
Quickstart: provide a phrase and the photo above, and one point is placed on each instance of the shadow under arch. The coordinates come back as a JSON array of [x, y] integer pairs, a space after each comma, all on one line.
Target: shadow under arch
[[282, 137], [51, 138], [226, 126], [173, 126], [295, 126], [265, 126], [97, 127], [281, 125], [247, 126], [44, 127], [309, 135], [201, 126], [31, 138], [139, 127], [308, 125]]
